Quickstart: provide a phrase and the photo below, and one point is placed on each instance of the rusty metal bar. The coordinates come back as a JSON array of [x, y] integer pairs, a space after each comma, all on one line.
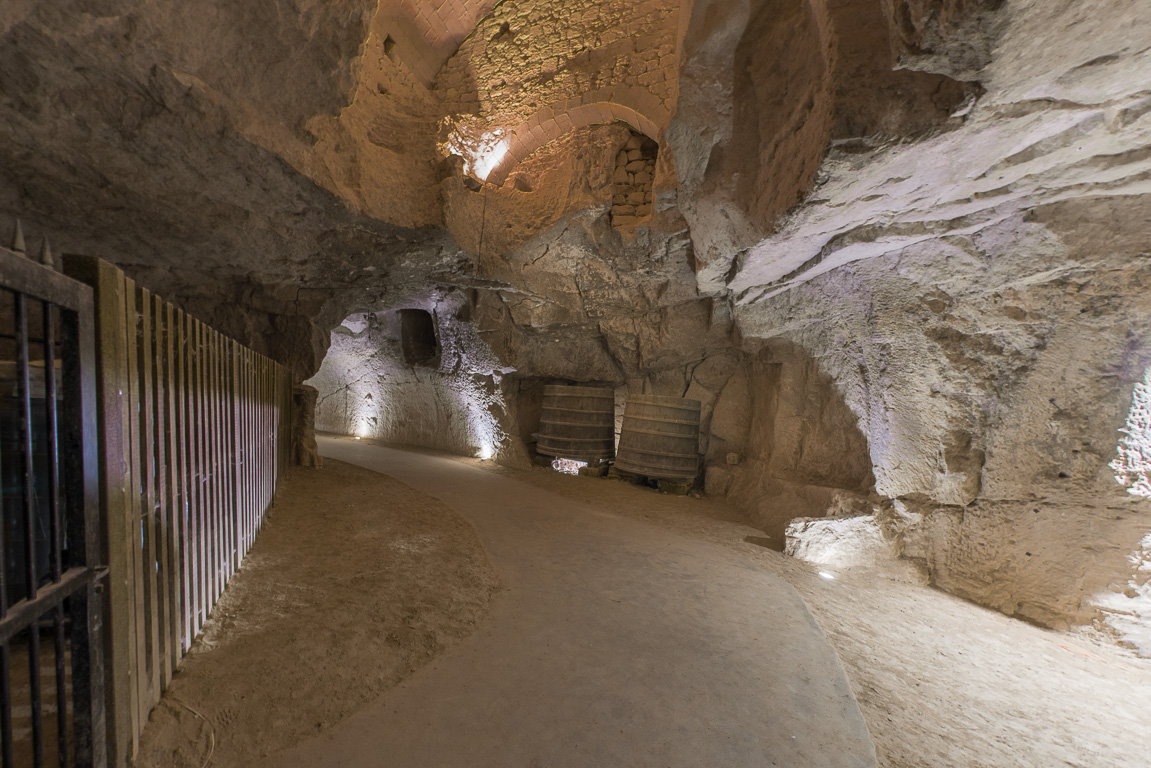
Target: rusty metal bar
[[25, 394]]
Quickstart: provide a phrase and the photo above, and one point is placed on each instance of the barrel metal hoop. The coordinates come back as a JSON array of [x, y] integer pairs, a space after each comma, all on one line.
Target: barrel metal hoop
[[626, 428], [692, 456], [576, 410], [606, 428], [677, 406]]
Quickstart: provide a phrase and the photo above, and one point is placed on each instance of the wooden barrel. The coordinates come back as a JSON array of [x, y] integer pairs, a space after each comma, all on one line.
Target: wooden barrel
[[577, 423], [660, 437]]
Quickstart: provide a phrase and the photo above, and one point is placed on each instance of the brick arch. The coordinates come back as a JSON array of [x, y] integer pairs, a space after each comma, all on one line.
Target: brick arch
[[646, 115]]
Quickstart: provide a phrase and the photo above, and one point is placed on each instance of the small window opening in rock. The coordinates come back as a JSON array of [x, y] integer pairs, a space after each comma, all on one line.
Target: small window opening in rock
[[633, 196], [418, 337], [389, 45], [568, 466]]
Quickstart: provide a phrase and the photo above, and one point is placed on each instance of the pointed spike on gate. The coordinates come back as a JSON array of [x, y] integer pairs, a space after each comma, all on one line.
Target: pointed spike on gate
[[46, 255], [18, 238]]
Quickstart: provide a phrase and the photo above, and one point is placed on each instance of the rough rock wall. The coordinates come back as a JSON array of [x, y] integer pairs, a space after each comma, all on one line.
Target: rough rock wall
[[977, 296], [993, 388], [453, 401], [783, 444], [764, 87], [155, 135]]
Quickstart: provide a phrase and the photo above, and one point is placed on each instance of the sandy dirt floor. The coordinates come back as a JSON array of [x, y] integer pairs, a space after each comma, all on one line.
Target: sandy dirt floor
[[355, 582], [318, 616], [942, 683]]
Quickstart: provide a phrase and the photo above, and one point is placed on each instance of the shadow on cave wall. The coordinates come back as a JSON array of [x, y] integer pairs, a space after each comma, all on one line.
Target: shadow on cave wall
[[783, 444]]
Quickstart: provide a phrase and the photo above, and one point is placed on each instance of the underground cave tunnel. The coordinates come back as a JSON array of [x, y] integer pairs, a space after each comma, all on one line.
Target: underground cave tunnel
[[832, 317]]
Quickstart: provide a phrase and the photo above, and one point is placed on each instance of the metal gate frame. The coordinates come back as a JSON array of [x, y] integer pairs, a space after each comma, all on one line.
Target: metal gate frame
[[77, 478]]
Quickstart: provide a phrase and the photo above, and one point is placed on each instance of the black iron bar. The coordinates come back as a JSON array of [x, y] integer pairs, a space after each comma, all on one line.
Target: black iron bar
[[56, 531], [34, 694], [61, 688], [6, 758], [6, 706], [29, 487], [29, 525]]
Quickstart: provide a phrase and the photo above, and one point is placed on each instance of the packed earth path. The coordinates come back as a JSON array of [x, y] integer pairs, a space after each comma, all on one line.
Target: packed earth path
[[615, 642], [403, 637]]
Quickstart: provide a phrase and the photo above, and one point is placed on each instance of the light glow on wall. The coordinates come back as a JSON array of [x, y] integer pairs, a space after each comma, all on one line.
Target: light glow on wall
[[1132, 465], [488, 159], [481, 150]]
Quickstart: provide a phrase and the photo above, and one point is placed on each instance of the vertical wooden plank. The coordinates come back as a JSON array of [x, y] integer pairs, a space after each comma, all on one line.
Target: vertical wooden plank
[[147, 464], [216, 464], [191, 489], [254, 509], [163, 518], [121, 718], [175, 488], [135, 532], [222, 427], [249, 452], [263, 435], [241, 457], [235, 466], [221, 468], [209, 478], [205, 487], [230, 467], [201, 478], [183, 371]]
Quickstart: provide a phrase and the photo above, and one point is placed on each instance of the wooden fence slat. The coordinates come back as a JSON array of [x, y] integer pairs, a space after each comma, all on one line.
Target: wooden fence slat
[[191, 492], [218, 518], [230, 421], [160, 412], [185, 511], [175, 493], [201, 479], [245, 456], [191, 496], [221, 450], [197, 401], [135, 490], [195, 434], [111, 333], [265, 455], [234, 467], [212, 456], [250, 441], [146, 413], [253, 498], [210, 474]]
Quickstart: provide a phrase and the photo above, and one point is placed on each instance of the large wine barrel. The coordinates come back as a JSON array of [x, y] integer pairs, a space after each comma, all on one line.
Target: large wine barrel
[[577, 423], [660, 437]]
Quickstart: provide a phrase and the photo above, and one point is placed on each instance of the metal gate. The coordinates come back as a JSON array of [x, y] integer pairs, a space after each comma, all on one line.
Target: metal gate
[[51, 653]]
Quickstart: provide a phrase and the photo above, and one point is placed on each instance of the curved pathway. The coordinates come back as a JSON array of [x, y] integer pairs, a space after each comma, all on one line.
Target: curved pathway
[[616, 643]]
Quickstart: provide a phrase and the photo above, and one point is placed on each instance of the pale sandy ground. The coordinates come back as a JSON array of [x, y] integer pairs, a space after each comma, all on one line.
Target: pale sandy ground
[[355, 582], [940, 682]]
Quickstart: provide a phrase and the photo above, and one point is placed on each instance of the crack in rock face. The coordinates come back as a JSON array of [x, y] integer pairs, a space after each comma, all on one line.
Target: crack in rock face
[[897, 250]]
